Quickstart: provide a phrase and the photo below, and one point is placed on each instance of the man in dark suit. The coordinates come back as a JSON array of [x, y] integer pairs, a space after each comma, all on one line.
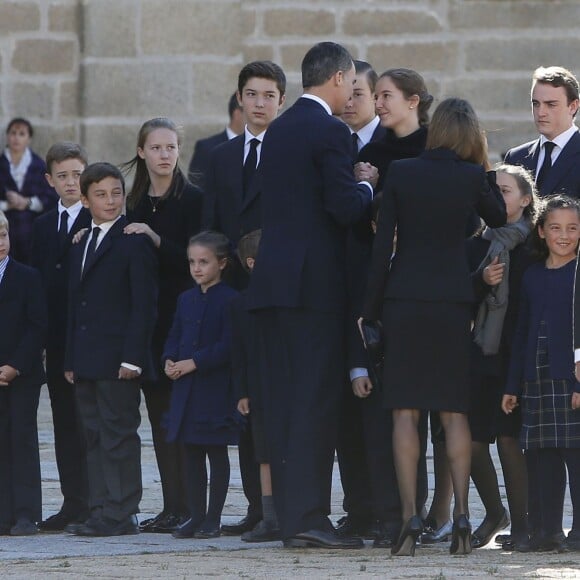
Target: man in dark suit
[[554, 158], [309, 197], [363, 122], [52, 235], [203, 147], [22, 328], [112, 309], [233, 208]]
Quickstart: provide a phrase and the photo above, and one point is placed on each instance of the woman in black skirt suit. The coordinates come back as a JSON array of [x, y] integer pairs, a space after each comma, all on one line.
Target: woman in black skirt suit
[[424, 294], [166, 207]]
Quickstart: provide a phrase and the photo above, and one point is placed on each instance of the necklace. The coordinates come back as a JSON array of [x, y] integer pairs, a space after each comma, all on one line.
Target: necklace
[[154, 201]]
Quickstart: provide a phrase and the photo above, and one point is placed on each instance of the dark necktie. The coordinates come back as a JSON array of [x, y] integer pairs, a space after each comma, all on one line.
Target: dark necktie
[[92, 247], [546, 165], [63, 229], [354, 138], [250, 165]]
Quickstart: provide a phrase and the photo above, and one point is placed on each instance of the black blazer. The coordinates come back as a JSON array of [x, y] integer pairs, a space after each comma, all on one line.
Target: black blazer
[[23, 320], [112, 306], [53, 264], [564, 177], [429, 200], [227, 209], [309, 196], [200, 159]]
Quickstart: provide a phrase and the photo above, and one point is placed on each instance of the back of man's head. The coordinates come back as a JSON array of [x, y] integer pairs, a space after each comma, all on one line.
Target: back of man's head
[[322, 61]]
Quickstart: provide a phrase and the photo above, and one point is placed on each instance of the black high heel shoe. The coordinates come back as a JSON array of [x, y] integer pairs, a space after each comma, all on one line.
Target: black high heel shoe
[[461, 536], [407, 541]]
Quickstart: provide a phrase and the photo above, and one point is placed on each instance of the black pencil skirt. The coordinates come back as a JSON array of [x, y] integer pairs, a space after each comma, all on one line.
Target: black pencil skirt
[[427, 349]]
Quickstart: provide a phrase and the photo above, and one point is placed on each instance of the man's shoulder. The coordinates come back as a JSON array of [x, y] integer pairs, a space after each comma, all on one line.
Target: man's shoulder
[[228, 147], [46, 219], [211, 141]]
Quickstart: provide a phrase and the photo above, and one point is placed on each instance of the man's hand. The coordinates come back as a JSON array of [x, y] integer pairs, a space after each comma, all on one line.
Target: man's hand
[[364, 171], [7, 375], [362, 387], [575, 401], [69, 377], [509, 403], [244, 406], [126, 374]]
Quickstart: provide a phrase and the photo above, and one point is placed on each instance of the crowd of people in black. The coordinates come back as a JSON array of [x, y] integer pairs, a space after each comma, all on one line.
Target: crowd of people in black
[[238, 299]]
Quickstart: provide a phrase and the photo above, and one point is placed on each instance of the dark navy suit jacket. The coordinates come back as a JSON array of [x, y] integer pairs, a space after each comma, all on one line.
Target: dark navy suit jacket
[[227, 209], [564, 176], [53, 264], [308, 196], [23, 322], [112, 306], [200, 159]]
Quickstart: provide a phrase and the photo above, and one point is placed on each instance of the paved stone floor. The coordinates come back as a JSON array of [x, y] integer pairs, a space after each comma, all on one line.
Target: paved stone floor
[[134, 556]]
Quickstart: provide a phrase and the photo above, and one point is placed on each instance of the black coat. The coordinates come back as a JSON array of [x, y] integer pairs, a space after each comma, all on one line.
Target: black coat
[[200, 159], [112, 306], [429, 200], [564, 176]]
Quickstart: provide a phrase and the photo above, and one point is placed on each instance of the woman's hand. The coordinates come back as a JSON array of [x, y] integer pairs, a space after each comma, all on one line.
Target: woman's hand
[[493, 274], [575, 401], [175, 370], [244, 406], [17, 201], [140, 228]]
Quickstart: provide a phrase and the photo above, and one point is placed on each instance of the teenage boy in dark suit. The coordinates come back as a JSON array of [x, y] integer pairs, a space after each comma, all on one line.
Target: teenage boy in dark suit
[[553, 158], [233, 208], [112, 302], [23, 324], [52, 235]]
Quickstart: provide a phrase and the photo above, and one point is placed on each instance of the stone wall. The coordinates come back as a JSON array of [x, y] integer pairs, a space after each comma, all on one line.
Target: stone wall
[[94, 70]]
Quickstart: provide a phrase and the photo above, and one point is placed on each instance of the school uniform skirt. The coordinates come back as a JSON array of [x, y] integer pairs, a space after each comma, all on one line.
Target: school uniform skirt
[[548, 419], [427, 347]]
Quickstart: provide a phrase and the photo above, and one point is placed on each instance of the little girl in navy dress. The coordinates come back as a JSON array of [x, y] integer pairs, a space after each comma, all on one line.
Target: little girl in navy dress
[[202, 412], [541, 377]]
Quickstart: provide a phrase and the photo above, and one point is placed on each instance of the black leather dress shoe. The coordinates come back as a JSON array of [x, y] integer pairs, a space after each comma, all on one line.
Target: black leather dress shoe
[[59, 521], [104, 527], [487, 530], [24, 527], [246, 524], [186, 530], [434, 535], [350, 526], [322, 539], [553, 543], [386, 534], [262, 532], [205, 533]]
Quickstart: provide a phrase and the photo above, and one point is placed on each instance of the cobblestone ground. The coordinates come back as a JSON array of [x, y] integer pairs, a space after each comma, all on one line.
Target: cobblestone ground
[[161, 556]]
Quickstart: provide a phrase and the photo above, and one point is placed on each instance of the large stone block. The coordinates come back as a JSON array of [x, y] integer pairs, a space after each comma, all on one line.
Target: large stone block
[[514, 15], [292, 54], [299, 22], [19, 16], [523, 54], [107, 142], [110, 28], [193, 27], [47, 134], [44, 56], [136, 89], [505, 133], [69, 99], [487, 94], [382, 22], [253, 52], [31, 99], [421, 56], [64, 16], [213, 83]]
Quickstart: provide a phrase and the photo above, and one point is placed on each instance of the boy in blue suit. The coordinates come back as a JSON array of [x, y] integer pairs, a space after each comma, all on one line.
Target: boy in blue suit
[[112, 309], [23, 321]]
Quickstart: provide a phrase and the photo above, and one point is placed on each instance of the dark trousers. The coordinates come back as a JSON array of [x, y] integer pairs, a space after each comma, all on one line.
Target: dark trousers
[[547, 487], [352, 457], [250, 472], [69, 441], [170, 457], [110, 417], [303, 350], [20, 492]]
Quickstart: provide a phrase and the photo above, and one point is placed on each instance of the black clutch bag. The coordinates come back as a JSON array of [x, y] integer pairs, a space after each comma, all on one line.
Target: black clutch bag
[[372, 332]]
